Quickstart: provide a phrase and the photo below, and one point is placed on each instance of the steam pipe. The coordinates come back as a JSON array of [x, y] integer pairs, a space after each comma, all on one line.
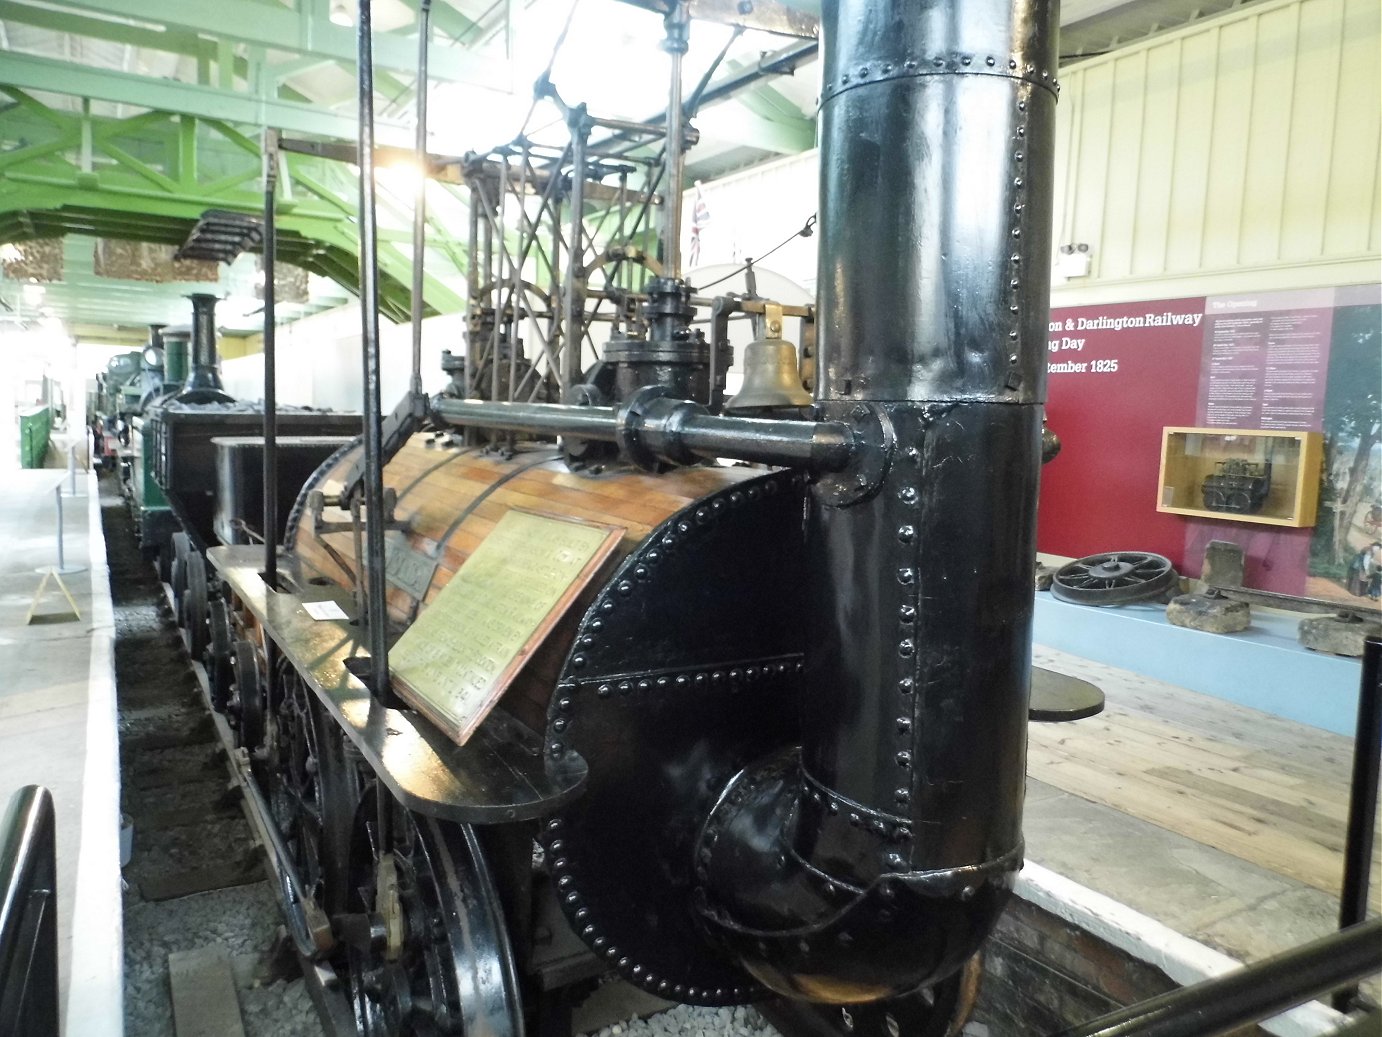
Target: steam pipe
[[204, 383], [654, 430], [376, 604], [896, 831]]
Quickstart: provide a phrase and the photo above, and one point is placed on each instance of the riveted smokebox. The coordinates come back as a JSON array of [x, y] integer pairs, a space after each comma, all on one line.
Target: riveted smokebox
[[877, 858]]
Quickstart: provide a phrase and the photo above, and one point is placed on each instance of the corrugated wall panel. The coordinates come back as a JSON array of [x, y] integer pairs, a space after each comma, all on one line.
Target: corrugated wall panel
[[1246, 144], [1239, 154], [1353, 181], [1160, 122], [1312, 137], [1190, 170]]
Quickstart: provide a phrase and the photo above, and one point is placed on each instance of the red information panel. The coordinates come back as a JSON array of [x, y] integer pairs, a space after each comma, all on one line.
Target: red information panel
[[1307, 360], [1117, 374]]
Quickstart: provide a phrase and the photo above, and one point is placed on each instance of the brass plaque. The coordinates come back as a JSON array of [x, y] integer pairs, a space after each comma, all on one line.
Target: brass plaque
[[465, 648]]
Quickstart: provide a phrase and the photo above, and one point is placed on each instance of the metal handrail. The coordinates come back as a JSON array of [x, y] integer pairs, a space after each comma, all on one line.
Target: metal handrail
[[1362, 801], [28, 916], [1247, 995], [1334, 963]]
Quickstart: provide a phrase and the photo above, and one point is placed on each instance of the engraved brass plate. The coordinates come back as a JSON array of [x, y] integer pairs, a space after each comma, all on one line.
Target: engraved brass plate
[[465, 648]]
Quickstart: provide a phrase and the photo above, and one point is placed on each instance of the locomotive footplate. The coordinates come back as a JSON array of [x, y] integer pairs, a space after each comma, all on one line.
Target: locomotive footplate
[[499, 775]]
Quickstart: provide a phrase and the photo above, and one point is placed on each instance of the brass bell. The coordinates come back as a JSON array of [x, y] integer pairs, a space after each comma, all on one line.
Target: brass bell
[[771, 378]]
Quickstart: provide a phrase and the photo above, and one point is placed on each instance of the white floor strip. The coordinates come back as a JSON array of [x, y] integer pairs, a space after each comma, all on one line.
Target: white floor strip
[[95, 998], [1184, 960]]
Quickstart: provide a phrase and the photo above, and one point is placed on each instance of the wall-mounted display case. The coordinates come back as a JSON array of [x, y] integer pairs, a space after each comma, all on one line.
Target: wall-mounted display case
[[1244, 475]]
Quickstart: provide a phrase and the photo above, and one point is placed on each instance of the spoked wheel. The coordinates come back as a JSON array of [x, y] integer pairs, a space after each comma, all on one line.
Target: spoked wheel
[[439, 959], [195, 602], [217, 657], [245, 711], [314, 792], [1117, 578]]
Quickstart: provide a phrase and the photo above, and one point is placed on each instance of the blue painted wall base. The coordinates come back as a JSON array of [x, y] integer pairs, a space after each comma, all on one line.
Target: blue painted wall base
[[1264, 667]]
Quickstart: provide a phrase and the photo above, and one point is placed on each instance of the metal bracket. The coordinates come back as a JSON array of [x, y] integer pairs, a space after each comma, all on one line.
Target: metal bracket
[[869, 462]]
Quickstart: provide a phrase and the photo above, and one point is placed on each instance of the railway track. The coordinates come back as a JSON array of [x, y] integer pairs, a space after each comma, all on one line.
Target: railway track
[[202, 926]]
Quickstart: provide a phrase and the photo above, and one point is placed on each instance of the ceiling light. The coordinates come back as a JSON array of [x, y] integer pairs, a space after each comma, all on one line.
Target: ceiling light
[[403, 177], [341, 13]]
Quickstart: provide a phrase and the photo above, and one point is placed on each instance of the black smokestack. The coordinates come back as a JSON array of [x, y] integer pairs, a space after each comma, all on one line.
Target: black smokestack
[[879, 860], [204, 384]]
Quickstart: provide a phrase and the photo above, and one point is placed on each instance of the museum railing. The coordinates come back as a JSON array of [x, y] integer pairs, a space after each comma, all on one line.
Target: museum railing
[[28, 916]]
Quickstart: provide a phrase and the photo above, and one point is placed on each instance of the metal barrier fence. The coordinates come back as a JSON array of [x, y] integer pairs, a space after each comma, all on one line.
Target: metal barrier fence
[[28, 916]]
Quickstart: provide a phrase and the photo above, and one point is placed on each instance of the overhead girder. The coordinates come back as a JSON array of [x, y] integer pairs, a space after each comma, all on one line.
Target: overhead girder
[[306, 31], [150, 177]]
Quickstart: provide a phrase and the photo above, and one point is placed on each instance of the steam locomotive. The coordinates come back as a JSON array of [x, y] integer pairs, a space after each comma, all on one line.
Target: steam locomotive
[[770, 742]]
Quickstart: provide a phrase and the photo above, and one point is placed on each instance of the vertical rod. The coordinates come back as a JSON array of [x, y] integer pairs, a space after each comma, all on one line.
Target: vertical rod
[[677, 24], [575, 258], [376, 606], [270, 363], [472, 276], [424, 18], [1362, 801], [62, 562]]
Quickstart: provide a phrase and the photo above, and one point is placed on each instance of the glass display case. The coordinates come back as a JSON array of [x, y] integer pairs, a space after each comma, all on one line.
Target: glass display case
[[1244, 475]]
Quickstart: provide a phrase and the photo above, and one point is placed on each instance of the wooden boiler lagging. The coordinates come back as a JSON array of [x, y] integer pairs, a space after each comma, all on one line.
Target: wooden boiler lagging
[[450, 497]]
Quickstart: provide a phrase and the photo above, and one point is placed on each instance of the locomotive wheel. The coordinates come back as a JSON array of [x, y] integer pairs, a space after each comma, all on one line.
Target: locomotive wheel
[[165, 562], [217, 657], [314, 792], [195, 600], [182, 547], [246, 708], [440, 962], [1116, 578]]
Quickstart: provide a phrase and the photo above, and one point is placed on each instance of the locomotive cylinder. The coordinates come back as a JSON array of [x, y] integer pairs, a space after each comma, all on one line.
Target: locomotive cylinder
[[933, 308]]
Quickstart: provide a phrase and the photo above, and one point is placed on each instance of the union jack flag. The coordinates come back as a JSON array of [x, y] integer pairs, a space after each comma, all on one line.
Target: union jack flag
[[700, 216]]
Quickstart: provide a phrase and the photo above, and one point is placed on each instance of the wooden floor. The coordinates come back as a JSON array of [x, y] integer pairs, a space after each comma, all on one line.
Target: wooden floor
[[1266, 790]]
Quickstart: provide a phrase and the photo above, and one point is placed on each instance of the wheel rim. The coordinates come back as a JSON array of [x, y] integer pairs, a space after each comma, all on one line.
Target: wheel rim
[[217, 660], [314, 792], [246, 708], [1114, 578], [181, 546], [455, 971], [194, 602]]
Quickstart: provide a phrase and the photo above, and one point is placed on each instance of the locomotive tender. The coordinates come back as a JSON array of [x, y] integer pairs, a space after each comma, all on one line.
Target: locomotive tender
[[776, 746]]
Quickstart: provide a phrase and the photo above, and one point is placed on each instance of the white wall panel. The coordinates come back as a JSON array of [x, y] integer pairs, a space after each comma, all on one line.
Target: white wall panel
[[1240, 154]]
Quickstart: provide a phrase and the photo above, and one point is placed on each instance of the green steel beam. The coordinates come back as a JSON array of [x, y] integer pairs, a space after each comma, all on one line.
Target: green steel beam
[[34, 73], [152, 175], [170, 41], [304, 32]]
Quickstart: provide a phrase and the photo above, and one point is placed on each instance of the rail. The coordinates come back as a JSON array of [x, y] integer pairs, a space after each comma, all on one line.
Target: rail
[[28, 916]]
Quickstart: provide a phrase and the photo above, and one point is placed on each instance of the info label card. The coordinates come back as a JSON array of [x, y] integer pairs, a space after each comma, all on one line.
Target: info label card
[[465, 648]]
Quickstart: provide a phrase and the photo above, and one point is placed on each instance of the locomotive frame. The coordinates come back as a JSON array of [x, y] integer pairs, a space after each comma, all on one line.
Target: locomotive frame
[[777, 747]]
